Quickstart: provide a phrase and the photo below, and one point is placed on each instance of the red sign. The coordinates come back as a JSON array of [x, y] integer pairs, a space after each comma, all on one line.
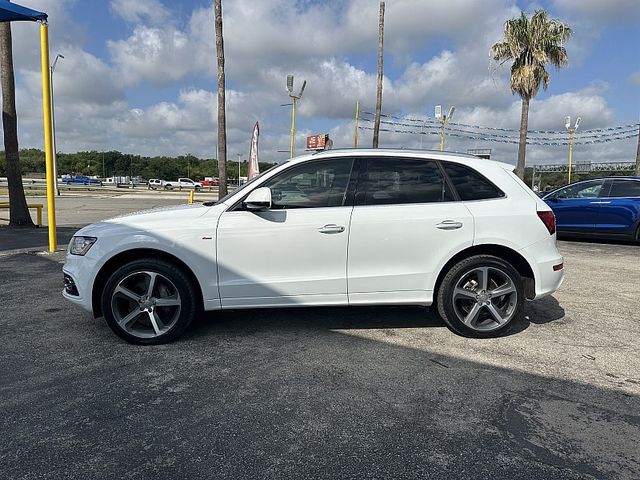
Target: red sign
[[317, 142]]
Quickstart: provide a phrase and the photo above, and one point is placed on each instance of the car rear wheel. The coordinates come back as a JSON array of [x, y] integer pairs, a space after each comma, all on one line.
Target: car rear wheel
[[481, 296], [148, 302]]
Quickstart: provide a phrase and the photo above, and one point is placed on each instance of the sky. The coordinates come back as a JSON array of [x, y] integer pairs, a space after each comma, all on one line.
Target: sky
[[139, 76]]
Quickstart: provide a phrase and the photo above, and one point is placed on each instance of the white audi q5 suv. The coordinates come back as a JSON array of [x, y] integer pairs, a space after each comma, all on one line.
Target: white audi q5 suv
[[341, 227]]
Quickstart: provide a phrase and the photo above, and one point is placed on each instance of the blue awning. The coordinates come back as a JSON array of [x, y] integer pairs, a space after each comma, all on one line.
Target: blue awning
[[11, 12]]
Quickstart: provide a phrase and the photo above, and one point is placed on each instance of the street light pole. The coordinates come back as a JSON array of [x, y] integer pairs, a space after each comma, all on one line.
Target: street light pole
[[444, 120], [53, 126], [294, 99], [571, 130], [239, 155]]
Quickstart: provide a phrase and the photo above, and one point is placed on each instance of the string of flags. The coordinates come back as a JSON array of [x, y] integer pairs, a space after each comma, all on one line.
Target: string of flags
[[410, 126], [435, 122]]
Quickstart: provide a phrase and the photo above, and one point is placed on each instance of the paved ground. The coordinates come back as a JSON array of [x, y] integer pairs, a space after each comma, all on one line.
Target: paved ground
[[326, 393]]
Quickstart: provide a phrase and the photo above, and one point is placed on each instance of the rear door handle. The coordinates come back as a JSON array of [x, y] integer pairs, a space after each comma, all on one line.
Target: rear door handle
[[331, 228], [449, 225]]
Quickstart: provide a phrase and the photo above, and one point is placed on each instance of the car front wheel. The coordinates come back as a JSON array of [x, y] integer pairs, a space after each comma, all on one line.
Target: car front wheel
[[148, 302], [481, 296]]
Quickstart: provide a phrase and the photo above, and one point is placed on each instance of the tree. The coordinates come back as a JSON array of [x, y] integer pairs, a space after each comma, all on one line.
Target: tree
[[376, 125], [222, 119], [18, 210], [531, 43]]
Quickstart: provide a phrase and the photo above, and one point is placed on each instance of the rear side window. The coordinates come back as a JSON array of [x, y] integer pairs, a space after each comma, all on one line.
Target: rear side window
[[470, 184], [398, 180], [625, 188]]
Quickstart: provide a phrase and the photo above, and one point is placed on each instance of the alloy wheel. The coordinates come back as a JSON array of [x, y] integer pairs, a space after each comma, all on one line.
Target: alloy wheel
[[485, 298], [146, 304]]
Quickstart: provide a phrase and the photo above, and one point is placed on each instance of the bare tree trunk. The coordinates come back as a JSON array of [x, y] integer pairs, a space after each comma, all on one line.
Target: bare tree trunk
[[522, 148], [18, 211], [638, 154], [376, 125], [222, 119]]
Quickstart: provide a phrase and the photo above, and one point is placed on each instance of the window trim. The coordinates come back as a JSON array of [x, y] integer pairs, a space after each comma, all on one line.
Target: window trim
[[239, 207]]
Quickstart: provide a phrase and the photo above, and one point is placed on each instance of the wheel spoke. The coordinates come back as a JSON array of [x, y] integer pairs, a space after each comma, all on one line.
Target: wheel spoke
[[155, 322], [152, 283], [127, 293], [495, 313], [463, 292], [503, 289], [472, 316], [483, 277], [173, 301], [128, 318]]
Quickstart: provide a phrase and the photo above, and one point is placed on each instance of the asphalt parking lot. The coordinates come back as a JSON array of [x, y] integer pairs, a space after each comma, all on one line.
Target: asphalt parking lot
[[326, 392]]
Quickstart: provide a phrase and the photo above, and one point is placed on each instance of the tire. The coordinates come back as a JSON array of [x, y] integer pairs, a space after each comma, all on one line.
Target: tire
[[637, 235], [168, 187], [466, 301], [128, 303]]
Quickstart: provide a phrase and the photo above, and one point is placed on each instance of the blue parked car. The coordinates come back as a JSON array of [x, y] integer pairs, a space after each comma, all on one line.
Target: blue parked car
[[601, 207]]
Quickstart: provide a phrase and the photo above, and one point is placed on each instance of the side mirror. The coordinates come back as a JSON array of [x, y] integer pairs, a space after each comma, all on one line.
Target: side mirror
[[259, 199]]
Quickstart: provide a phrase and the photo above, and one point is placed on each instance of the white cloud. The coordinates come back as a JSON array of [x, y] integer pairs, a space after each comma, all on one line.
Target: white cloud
[[600, 11], [136, 11]]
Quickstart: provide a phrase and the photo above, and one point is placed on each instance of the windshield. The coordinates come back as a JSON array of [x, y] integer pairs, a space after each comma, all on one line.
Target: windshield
[[242, 187]]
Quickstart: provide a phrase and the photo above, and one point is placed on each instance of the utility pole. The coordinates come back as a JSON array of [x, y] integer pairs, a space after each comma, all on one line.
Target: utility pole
[[571, 130], [638, 154], [355, 129], [376, 125], [53, 127]]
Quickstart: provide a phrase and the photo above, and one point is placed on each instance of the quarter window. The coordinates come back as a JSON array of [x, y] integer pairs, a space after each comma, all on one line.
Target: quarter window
[[469, 184], [398, 180], [311, 185], [625, 188]]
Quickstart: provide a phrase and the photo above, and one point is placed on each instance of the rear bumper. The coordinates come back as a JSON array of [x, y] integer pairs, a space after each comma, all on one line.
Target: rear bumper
[[543, 257]]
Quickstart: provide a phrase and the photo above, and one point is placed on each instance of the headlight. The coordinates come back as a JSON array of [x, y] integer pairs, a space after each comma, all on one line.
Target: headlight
[[81, 245]]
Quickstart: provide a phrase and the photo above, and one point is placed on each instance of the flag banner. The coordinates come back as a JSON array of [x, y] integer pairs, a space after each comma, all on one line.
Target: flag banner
[[254, 167]]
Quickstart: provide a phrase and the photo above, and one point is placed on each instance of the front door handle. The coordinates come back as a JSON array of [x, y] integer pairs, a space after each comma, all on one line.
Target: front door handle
[[331, 228], [449, 225], [601, 202]]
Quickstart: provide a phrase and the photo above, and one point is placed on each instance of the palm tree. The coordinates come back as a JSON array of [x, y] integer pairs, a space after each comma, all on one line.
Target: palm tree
[[531, 43], [18, 210], [376, 124], [222, 119]]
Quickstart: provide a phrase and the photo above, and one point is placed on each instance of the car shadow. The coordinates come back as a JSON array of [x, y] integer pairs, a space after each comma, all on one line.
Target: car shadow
[[539, 312]]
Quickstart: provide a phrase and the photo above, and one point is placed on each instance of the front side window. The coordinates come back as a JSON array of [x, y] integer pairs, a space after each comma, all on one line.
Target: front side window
[[625, 188], [311, 185], [590, 189], [470, 184], [399, 180]]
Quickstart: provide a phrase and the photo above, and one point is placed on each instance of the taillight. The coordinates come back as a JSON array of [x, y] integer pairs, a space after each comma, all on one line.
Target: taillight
[[549, 220]]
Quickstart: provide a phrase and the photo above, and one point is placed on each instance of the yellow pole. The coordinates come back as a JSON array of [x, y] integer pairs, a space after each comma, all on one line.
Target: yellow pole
[[191, 193], [442, 135], [355, 130], [48, 136], [293, 126], [570, 154]]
